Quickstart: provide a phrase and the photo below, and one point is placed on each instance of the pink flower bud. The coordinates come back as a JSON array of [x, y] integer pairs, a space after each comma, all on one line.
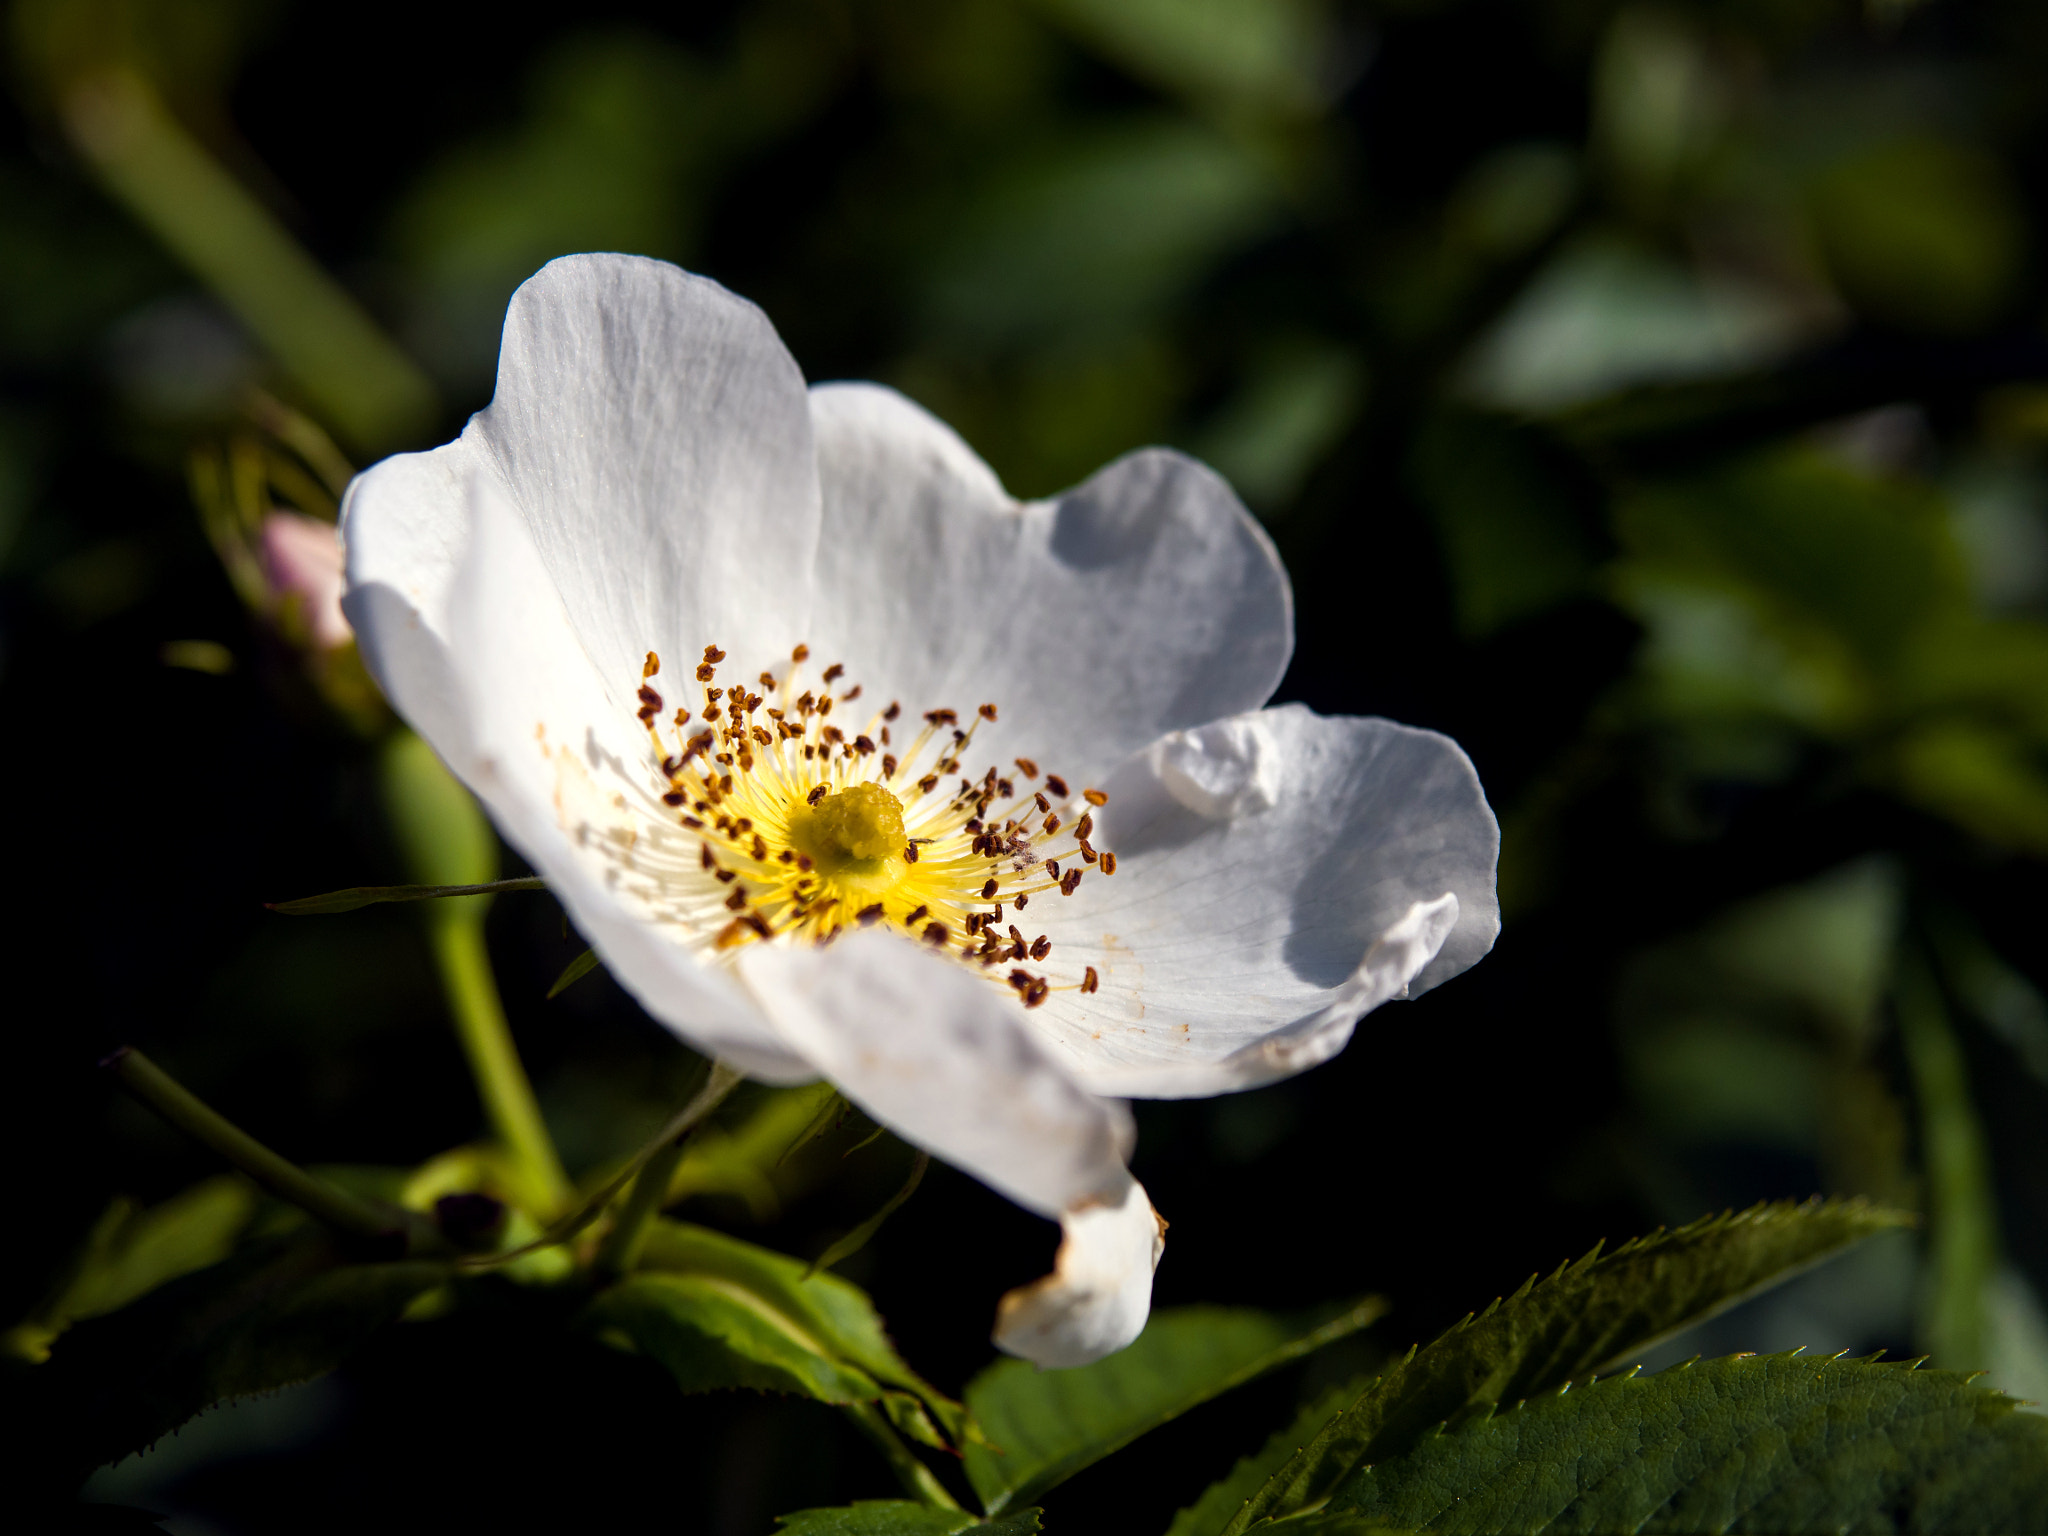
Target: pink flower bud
[[302, 563]]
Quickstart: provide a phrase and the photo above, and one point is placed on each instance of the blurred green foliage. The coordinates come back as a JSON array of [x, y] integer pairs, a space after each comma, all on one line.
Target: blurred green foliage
[[1652, 395]]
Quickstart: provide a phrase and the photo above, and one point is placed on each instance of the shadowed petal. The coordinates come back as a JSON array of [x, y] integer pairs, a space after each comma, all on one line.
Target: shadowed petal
[[1279, 875], [1142, 600]]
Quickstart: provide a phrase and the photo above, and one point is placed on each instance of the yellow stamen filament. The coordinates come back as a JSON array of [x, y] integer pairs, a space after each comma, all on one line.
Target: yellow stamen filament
[[804, 827]]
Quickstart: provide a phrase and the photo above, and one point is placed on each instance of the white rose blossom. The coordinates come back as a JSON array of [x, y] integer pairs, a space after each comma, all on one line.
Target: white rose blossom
[[850, 765]]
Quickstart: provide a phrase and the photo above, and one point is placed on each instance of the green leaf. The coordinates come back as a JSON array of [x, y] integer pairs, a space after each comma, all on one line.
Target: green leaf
[[900, 1517], [574, 972], [271, 1316], [1578, 1320], [1225, 1497], [369, 895], [1747, 1443], [722, 1313], [1044, 1426], [132, 1250]]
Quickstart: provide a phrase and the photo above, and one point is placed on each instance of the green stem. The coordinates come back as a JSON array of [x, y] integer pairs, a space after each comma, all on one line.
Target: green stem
[[722, 1081], [917, 1478], [620, 1250], [457, 934], [332, 1207]]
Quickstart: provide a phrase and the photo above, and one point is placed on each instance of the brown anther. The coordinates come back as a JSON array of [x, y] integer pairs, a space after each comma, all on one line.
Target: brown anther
[[674, 797], [941, 717], [803, 862], [888, 766], [851, 694], [935, 934], [1108, 862], [834, 672], [1090, 981], [725, 783], [646, 716], [1021, 980], [760, 847], [650, 698], [1070, 882], [892, 711], [786, 856], [928, 783], [1084, 827], [758, 923], [1026, 767], [712, 696], [1041, 947], [726, 876], [916, 917], [867, 917], [1016, 934], [1005, 789], [806, 701], [1043, 803], [767, 679], [737, 901], [1052, 825], [682, 718], [987, 712], [832, 733], [1052, 869], [1023, 901], [809, 752], [693, 823], [1037, 994], [732, 933], [1088, 855], [824, 706], [910, 853], [704, 853], [1057, 785], [989, 890], [723, 757], [760, 734], [816, 795], [705, 672], [974, 825], [863, 746], [801, 653], [1094, 797]]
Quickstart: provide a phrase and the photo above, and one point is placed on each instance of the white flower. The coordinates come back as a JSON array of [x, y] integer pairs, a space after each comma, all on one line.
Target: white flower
[[697, 635]]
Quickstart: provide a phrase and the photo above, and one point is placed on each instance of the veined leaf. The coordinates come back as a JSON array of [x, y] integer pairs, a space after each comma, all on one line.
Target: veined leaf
[[273, 1315], [1225, 1497], [1044, 1426], [1579, 1319], [1747, 1443], [721, 1313], [900, 1517], [369, 895]]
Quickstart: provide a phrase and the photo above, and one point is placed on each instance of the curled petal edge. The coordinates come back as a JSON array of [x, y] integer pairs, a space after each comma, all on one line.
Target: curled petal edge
[[1099, 1294]]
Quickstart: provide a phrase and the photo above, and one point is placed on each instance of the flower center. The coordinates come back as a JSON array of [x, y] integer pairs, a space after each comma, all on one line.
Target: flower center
[[802, 830]]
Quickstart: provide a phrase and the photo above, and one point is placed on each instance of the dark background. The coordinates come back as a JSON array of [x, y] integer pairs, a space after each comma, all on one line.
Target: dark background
[[1652, 397]]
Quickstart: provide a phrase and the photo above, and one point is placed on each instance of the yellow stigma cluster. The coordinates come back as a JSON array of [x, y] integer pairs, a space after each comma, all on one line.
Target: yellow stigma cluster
[[806, 826]]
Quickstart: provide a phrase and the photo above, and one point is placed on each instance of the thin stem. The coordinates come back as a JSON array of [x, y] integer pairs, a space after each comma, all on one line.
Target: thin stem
[[465, 964], [917, 1478], [722, 1081], [620, 1250], [332, 1207]]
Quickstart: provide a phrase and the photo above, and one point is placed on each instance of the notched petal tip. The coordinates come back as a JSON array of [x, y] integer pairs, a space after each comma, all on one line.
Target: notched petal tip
[[1099, 1294]]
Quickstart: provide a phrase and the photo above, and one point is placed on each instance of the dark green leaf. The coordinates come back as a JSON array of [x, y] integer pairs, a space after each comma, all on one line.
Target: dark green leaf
[[369, 895], [1578, 1320], [1044, 1426], [1747, 1443], [574, 972], [1224, 1498], [900, 1517], [721, 1313], [269, 1317]]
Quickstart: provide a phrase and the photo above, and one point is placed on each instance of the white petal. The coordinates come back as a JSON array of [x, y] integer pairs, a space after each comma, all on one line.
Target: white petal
[[943, 1057], [1279, 875], [1100, 1291], [506, 695], [1144, 600]]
